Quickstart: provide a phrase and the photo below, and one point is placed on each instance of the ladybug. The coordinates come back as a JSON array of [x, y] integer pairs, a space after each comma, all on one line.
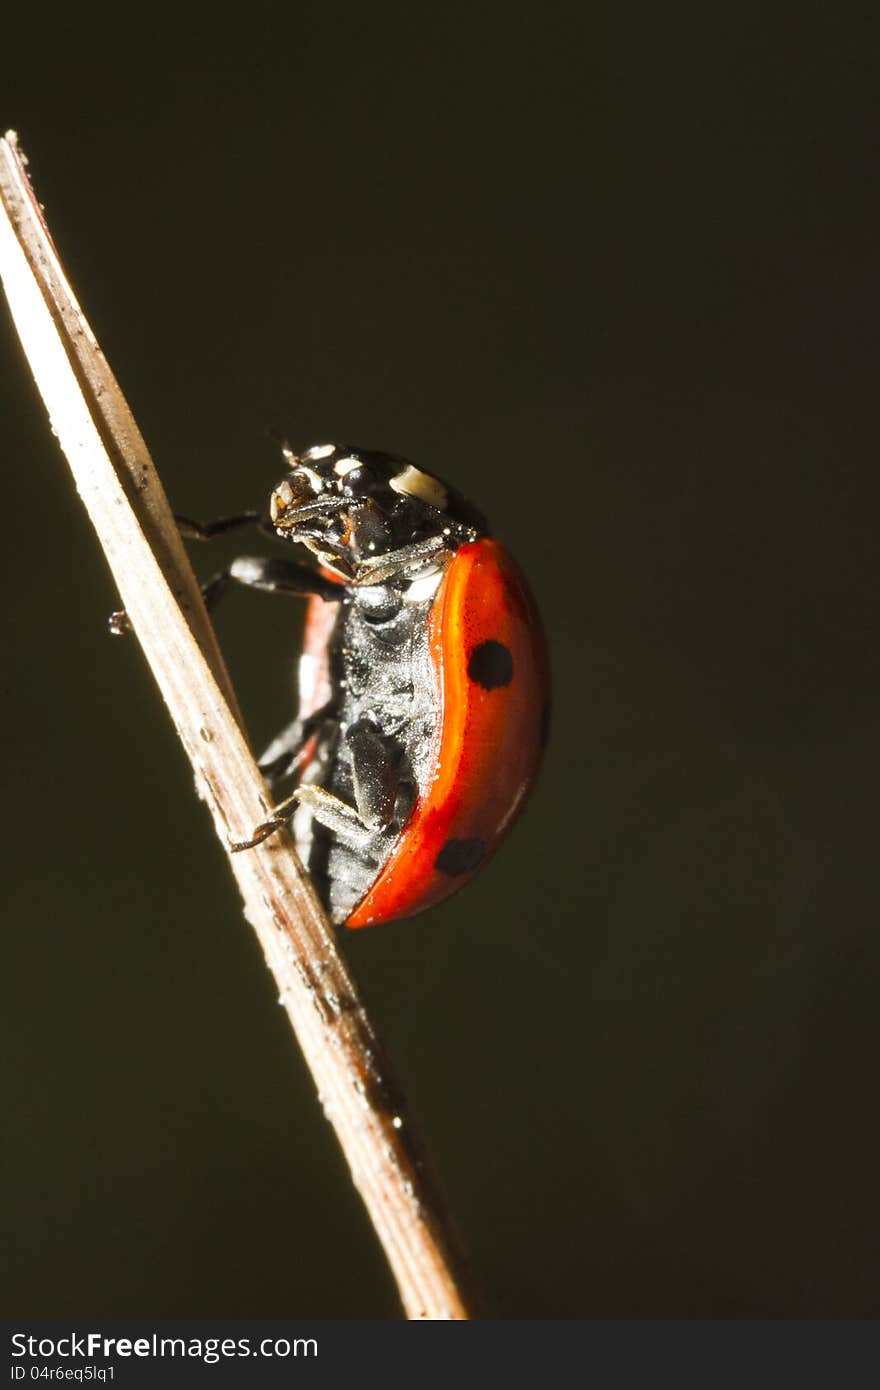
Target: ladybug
[[423, 681]]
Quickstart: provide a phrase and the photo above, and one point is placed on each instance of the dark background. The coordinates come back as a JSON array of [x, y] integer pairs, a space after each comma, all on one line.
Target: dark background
[[614, 271]]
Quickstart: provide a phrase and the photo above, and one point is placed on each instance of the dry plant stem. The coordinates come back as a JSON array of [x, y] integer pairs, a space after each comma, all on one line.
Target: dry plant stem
[[125, 501]]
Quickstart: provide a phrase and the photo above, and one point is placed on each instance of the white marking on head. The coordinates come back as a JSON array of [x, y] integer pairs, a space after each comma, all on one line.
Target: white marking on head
[[319, 451], [343, 467], [280, 500], [412, 482], [314, 478]]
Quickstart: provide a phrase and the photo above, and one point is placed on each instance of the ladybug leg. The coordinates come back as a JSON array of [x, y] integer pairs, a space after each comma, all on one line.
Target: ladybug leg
[[276, 822], [331, 811], [375, 777], [375, 774], [336, 814], [207, 530], [272, 576], [410, 557], [280, 757]]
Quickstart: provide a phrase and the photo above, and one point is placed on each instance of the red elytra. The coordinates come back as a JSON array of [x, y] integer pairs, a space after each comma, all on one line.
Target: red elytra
[[488, 738]]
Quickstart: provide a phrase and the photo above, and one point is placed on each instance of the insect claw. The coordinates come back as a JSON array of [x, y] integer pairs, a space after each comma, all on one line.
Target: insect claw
[[275, 822], [261, 833]]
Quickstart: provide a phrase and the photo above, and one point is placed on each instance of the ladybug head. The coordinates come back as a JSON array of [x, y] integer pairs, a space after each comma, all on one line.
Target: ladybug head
[[351, 505]]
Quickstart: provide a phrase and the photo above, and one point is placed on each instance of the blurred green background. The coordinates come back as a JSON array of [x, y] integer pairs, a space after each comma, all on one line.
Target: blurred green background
[[614, 270]]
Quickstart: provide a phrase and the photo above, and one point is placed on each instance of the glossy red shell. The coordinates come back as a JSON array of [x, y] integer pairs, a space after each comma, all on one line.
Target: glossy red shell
[[488, 740]]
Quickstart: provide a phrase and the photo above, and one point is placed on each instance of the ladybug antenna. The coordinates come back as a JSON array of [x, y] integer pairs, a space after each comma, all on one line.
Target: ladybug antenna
[[281, 440]]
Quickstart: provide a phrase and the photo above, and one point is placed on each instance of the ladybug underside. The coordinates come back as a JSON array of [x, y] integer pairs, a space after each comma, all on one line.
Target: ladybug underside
[[372, 749]]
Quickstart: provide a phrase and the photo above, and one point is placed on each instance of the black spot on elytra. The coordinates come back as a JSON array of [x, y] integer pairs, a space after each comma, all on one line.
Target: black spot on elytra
[[491, 665], [459, 857]]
